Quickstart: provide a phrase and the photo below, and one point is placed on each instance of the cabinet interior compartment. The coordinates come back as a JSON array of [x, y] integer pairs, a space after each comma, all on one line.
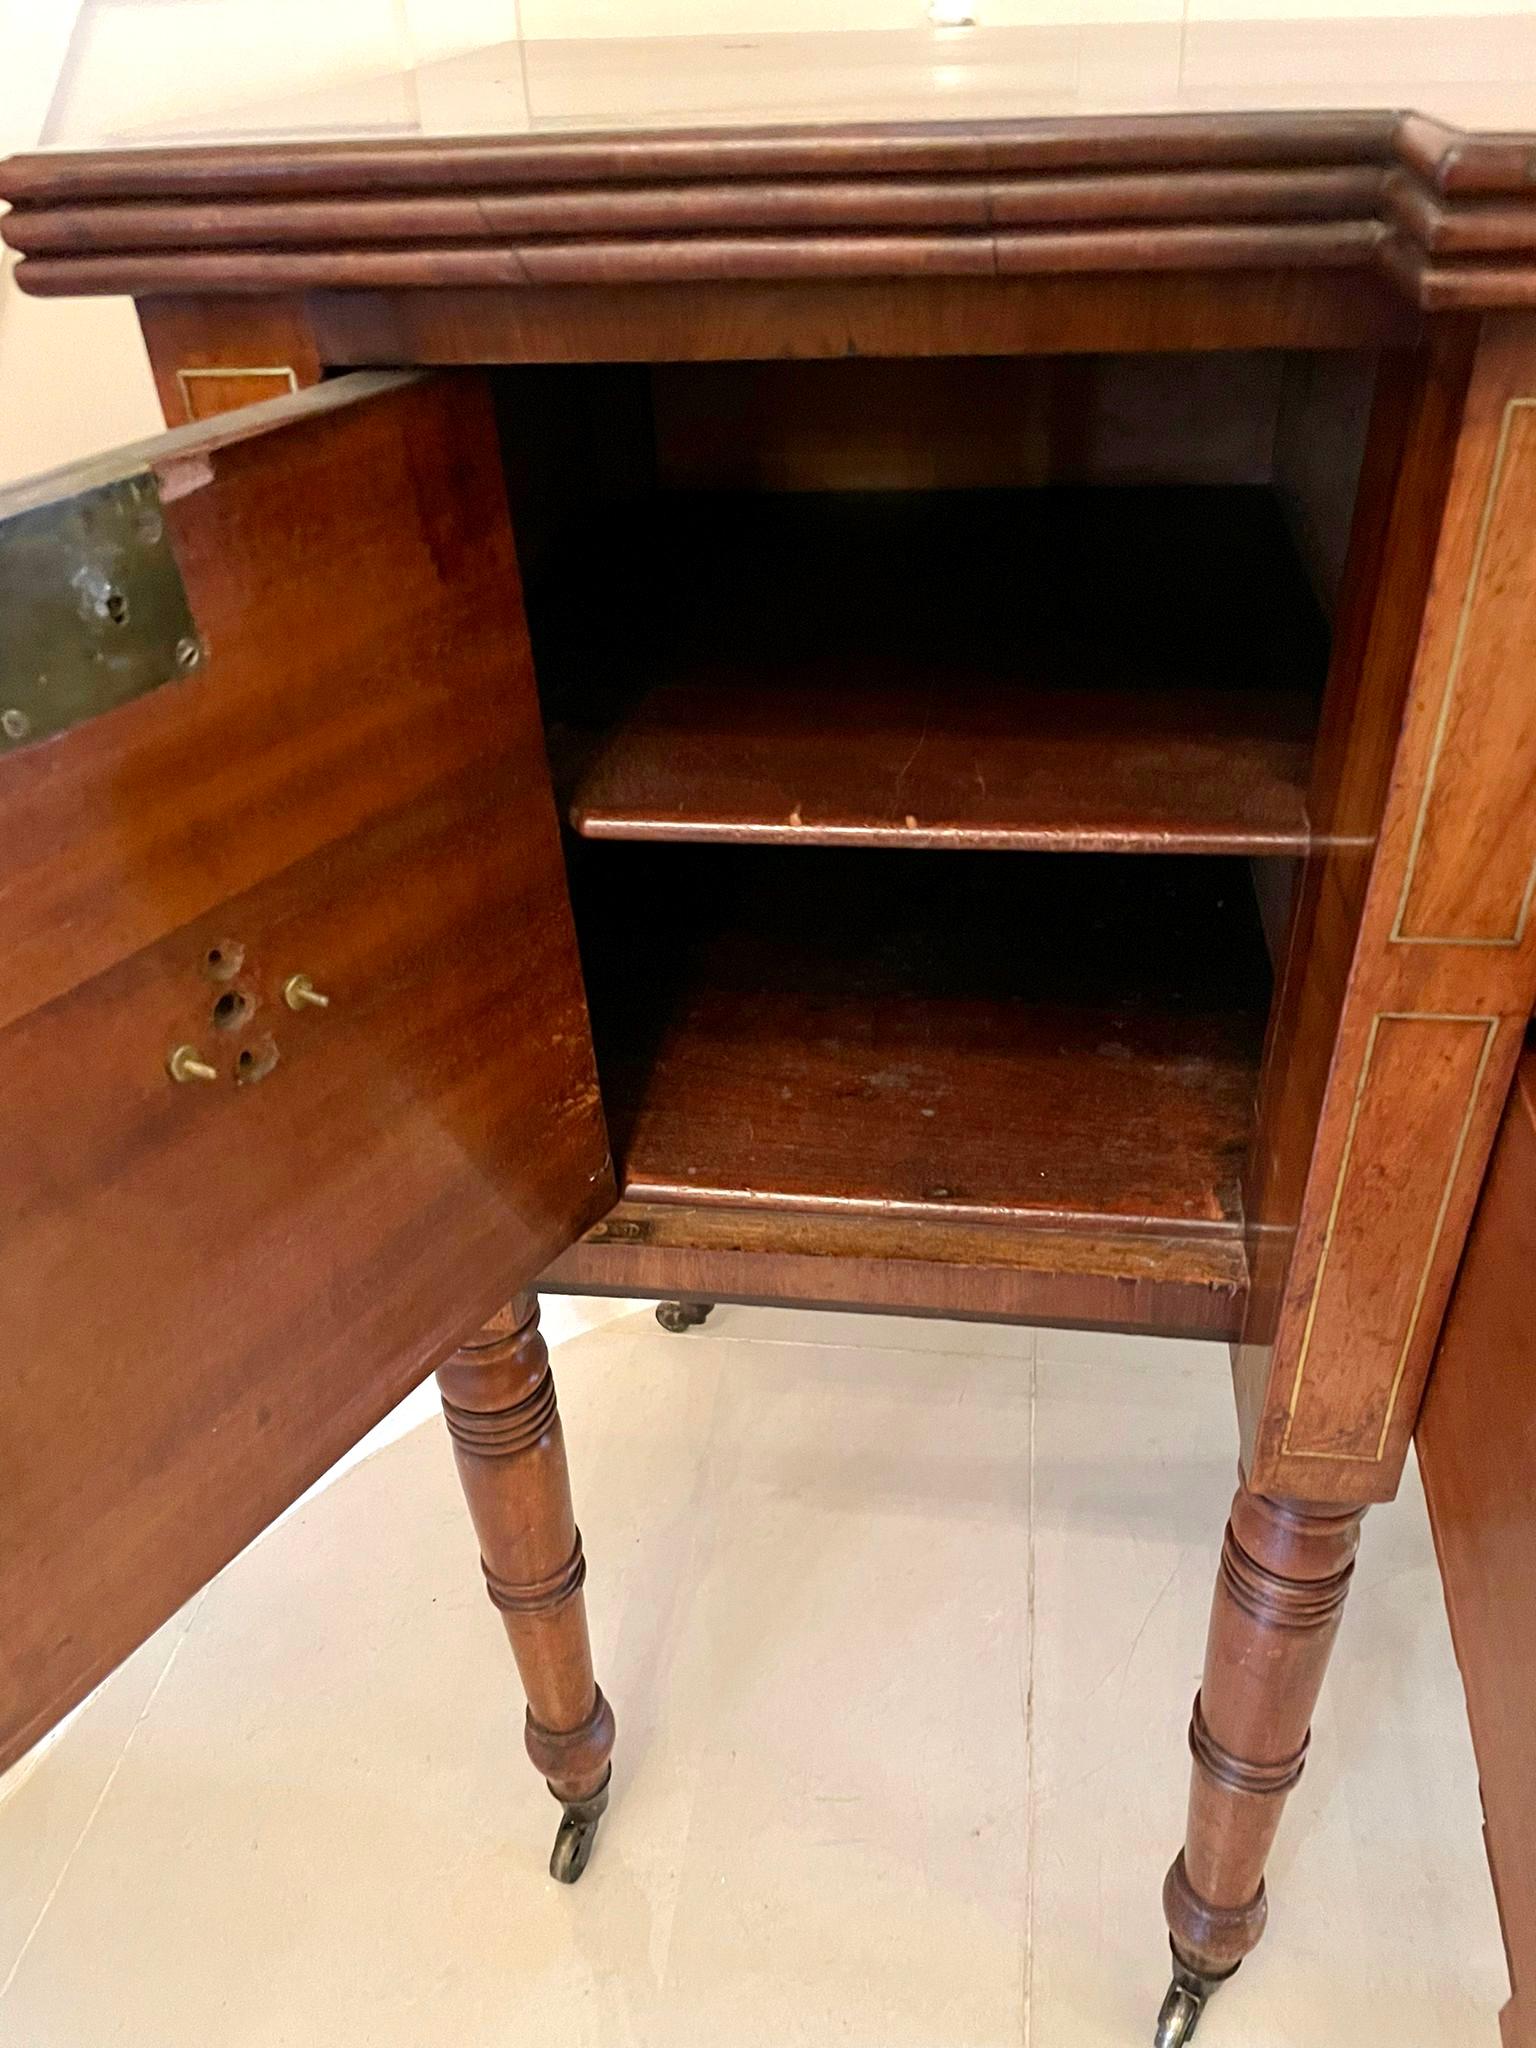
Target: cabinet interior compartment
[[1131, 670], [1069, 1042], [869, 689]]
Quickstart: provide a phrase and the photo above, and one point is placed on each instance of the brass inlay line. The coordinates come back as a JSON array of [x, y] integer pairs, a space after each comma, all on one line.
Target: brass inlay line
[[184, 377], [1490, 1032], [1447, 703]]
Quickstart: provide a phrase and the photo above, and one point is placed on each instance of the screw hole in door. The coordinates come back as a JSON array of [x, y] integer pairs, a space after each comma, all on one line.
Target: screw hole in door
[[255, 1063], [232, 1009], [223, 961]]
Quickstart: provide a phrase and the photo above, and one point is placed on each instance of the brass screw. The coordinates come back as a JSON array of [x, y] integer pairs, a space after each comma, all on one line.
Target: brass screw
[[299, 993], [184, 1065]]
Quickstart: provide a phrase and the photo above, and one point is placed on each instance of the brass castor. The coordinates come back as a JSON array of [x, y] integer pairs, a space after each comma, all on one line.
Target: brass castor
[[1181, 2009], [577, 1834], [678, 1316]]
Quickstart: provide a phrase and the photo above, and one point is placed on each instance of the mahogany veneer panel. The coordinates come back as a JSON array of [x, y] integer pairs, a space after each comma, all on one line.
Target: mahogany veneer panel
[[754, 320], [1186, 1284], [208, 1292], [1476, 1440], [1129, 670], [1066, 1042], [1397, 1034]]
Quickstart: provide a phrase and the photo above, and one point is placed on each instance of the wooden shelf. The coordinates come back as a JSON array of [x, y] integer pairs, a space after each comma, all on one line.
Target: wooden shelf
[[1127, 670], [1184, 1285], [1069, 1044]]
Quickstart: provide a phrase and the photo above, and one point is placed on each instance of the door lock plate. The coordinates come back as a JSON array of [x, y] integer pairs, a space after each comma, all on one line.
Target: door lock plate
[[93, 611]]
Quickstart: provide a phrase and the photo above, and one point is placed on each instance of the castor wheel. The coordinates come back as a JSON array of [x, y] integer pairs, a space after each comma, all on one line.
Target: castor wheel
[[577, 1835], [1180, 2016], [1181, 2009], [678, 1316]]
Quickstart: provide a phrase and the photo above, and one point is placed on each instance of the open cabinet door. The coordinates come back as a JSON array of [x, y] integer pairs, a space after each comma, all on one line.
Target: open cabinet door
[[1477, 1450], [296, 1081]]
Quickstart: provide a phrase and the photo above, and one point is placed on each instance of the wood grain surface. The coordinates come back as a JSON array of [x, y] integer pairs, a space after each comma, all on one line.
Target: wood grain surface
[[1280, 1592], [1203, 193], [508, 1443], [1183, 1285], [1123, 670], [210, 1290], [1396, 1033], [1476, 1442], [197, 373], [750, 320], [1049, 1040]]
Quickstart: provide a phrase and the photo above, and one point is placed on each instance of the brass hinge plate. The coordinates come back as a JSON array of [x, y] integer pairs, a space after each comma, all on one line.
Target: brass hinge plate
[[93, 611]]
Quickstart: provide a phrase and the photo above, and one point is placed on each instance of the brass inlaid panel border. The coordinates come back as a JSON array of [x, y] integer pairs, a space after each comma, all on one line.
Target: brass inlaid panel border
[[1447, 704], [185, 378], [1490, 1032]]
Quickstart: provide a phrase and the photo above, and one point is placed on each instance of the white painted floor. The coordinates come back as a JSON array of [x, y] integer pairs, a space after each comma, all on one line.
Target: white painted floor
[[901, 1621]]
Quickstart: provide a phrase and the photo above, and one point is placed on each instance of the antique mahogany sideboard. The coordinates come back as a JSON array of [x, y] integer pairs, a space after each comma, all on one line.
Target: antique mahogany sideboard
[[905, 712]]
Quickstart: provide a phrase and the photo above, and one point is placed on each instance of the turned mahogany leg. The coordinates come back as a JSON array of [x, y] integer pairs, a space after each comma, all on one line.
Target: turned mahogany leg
[[499, 1403], [1285, 1571]]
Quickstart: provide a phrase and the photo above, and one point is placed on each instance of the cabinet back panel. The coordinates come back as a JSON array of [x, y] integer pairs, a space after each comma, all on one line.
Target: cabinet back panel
[[935, 423]]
